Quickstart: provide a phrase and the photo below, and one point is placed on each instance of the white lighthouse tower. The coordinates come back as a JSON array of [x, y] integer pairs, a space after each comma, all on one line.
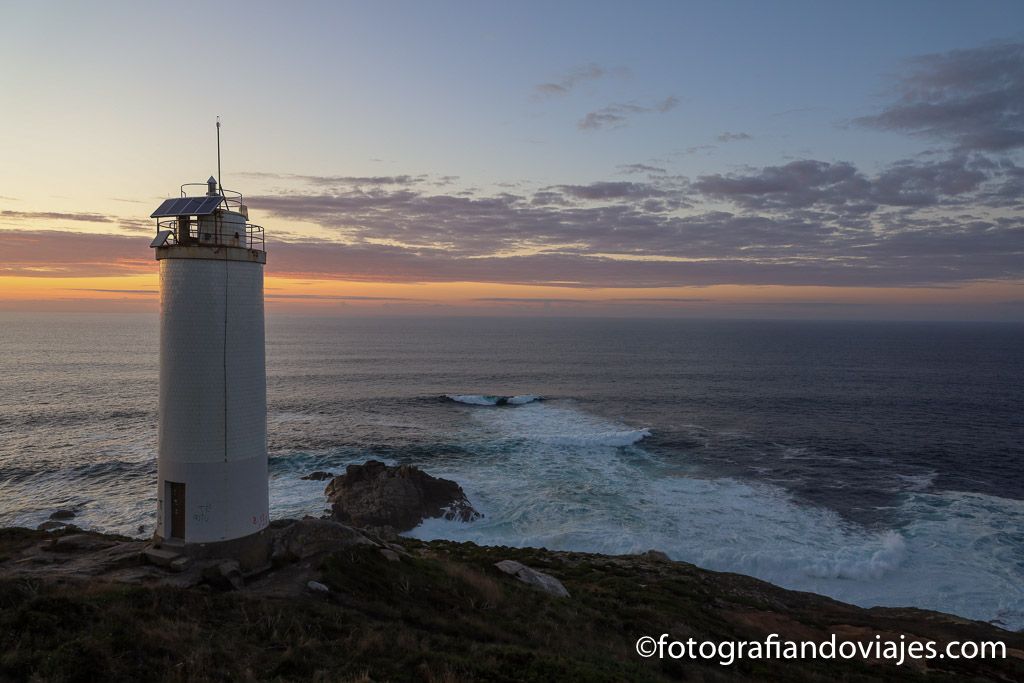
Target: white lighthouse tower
[[212, 462]]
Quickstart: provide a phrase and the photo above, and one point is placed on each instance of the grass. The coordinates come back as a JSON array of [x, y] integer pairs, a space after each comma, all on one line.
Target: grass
[[442, 614]]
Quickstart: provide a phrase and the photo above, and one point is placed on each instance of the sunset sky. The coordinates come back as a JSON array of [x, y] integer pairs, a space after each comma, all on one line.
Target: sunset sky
[[720, 159]]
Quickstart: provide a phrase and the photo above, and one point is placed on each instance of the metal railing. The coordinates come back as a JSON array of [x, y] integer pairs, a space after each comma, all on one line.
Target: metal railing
[[214, 231], [232, 200]]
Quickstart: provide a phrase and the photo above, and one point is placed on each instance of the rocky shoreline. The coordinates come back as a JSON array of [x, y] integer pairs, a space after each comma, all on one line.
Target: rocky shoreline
[[348, 598]]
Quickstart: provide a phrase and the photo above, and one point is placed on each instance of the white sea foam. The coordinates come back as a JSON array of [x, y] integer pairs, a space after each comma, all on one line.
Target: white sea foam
[[916, 482], [484, 400], [557, 425], [552, 477], [525, 398]]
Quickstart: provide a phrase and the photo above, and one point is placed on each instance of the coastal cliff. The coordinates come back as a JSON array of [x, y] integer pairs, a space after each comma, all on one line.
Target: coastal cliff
[[339, 603]]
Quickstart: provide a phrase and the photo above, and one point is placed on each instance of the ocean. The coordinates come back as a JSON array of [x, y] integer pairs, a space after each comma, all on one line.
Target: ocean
[[877, 463]]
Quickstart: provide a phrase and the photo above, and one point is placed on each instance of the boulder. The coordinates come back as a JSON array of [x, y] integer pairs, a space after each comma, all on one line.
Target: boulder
[[160, 557], [63, 514], [318, 476], [307, 537], [84, 542], [377, 495], [533, 578], [656, 555], [399, 549], [224, 576], [179, 564]]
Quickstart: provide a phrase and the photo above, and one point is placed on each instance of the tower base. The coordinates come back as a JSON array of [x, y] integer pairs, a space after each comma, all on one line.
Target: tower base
[[251, 552]]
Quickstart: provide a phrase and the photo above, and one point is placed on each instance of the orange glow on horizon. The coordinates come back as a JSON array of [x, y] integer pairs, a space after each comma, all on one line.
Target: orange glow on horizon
[[141, 292]]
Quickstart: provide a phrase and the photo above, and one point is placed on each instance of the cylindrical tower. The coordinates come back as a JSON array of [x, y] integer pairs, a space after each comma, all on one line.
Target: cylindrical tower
[[212, 461]]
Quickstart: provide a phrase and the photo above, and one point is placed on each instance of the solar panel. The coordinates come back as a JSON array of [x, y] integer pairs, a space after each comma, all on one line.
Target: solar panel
[[187, 206], [161, 238]]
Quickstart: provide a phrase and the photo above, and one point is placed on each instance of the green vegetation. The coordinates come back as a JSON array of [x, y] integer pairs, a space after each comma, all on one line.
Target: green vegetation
[[443, 613]]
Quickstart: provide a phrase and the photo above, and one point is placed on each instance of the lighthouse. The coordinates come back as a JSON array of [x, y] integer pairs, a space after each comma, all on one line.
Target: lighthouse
[[212, 491]]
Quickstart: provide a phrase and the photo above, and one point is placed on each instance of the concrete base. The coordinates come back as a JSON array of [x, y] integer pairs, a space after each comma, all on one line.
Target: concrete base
[[252, 552]]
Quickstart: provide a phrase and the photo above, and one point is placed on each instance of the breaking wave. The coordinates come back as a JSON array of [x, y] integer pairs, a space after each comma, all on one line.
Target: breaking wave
[[552, 475], [485, 400]]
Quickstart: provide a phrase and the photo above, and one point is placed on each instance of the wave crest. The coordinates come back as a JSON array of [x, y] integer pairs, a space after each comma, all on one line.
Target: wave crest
[[485, 400], [626, 437]]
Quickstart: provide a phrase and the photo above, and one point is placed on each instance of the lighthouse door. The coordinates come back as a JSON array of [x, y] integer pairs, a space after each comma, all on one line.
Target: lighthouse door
[[176, 493]]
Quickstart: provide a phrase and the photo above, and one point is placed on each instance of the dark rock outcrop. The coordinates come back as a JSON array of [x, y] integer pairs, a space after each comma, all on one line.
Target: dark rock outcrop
[[224, 576], [377, 495], [319, 475], [308, 537], [63, 514], [656, 555], [84, 542]]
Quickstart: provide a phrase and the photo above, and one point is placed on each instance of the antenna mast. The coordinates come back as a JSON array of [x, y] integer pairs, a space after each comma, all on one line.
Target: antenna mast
[[219, 183]]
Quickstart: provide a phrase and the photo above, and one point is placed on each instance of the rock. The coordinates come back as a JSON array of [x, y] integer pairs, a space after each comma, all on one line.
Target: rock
[[160, 557], [50, 525], [179, 564], [533, 578], [63, 514], [283, 523], [381, 534], [317, 587], [390, 555], [656, 555], [399, 549], [225, 576], [125, 555], [374, 495], [307, 537], [74, 543], [318, 476]]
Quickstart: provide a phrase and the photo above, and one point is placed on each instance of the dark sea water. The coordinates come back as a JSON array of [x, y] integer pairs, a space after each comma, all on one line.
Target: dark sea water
[[878, 463]]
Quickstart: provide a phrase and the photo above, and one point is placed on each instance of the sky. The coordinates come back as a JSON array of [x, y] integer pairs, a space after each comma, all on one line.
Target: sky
[[716, 159]]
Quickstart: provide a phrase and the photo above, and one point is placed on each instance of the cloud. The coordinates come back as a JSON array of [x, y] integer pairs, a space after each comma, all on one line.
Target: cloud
[[335, 297], [1009, 192], [696, 148], [641, 168], [136, 225], [60, 253], [840, 185], [970, 98], [114, 291], [578, 75], [338, 180], [668, 104], [602, 301], [530, 300], [797, 184], [55, 216], [749, 252], [616, 115], [802, 304], [732, 137], [705, 249], [611, 190], [937, 220]]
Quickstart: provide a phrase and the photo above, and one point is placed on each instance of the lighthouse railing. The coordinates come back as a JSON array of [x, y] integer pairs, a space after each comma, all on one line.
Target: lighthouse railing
[[232, 200], [194, 233]]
